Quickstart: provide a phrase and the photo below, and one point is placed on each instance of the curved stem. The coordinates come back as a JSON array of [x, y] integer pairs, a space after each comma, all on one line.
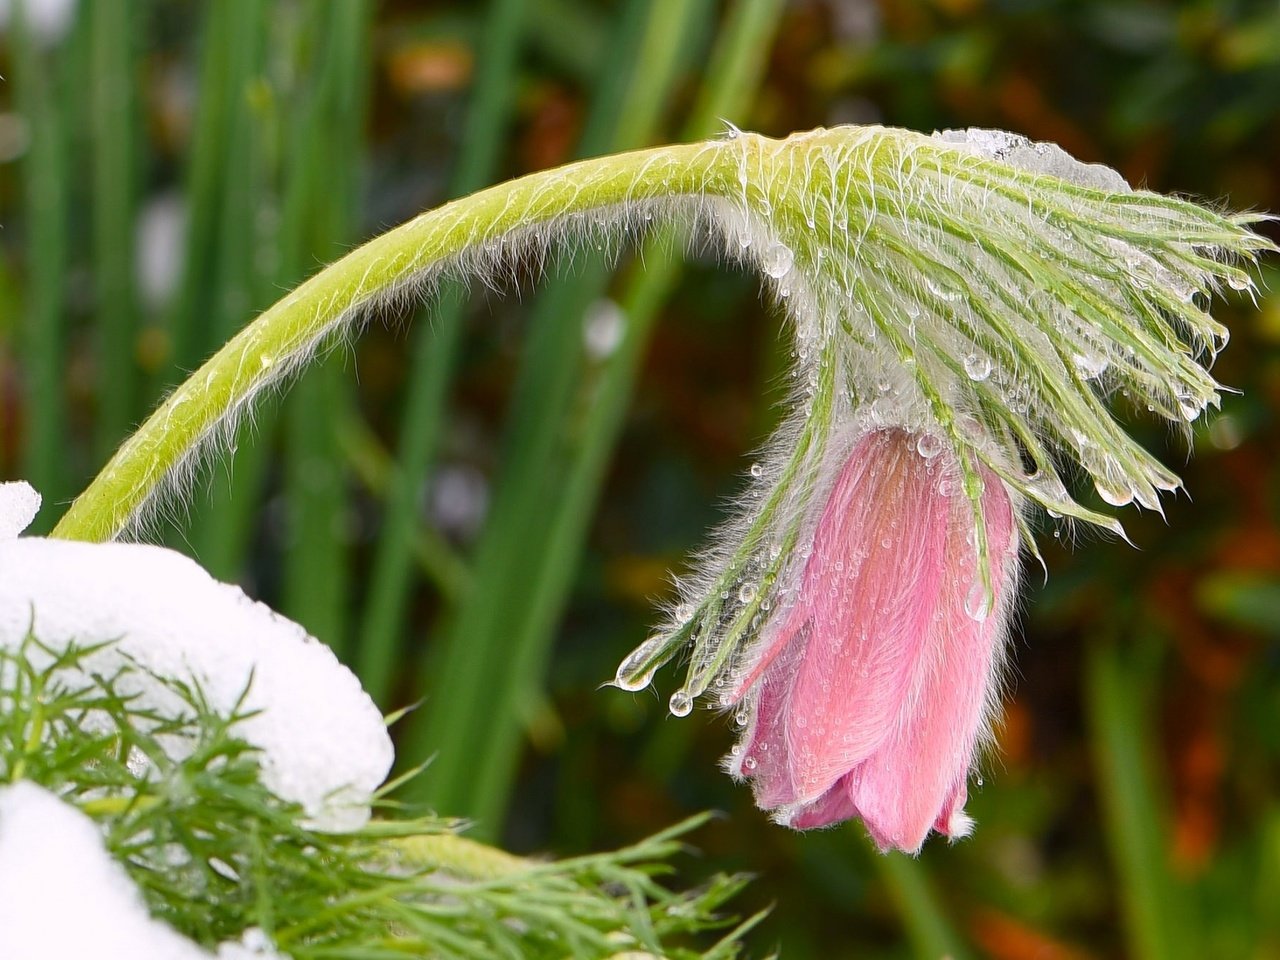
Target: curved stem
[[469, 233]]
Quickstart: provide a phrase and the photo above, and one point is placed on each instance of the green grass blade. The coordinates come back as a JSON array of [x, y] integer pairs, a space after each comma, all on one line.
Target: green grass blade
[[1149, 898], [230, 45], [320, 217], [434, 350], [376, 471], [926, 925], [115, 166], [41, 335], [225, 277]]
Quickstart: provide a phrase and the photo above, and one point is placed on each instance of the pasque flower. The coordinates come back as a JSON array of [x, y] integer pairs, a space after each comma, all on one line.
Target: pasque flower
[[964, 307], [873, 684]]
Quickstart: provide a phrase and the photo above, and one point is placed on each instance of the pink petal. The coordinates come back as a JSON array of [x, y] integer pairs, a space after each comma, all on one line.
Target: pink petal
[[916, 779], [831, 808], [763, 756], [868, 618], [873, 686], [832, 682]]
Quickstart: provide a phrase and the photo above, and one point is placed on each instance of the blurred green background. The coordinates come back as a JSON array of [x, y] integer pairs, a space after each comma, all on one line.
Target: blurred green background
[[477, 504]]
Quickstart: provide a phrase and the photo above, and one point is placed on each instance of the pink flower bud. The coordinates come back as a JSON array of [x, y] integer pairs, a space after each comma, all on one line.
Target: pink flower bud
[[873, 685]]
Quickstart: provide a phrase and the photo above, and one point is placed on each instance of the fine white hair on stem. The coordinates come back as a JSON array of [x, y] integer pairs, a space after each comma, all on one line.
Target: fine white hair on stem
[[927, 283], [497, 264]]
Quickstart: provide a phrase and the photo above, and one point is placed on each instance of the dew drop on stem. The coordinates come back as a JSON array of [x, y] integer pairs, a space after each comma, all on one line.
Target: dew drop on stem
[[777, 259], [977, 366]]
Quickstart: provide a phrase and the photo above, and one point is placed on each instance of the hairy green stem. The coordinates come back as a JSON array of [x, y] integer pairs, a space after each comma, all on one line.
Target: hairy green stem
[[286, 334]]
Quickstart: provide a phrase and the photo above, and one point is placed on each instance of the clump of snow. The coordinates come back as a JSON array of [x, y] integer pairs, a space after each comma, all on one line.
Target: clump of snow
[[1035, 157], [61, 894], [323, 741], [19, 504]]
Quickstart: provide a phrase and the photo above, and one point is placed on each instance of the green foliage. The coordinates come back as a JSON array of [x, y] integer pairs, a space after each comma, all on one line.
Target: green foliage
[[182, 806]]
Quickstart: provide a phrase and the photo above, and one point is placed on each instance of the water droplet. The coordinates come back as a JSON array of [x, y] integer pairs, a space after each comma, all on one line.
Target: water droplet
[[929, 445], [1113, 491], [943, 292], [750, 763], [1091, 366], [776, 261], [757, 471], [631, 673], [746, 593], [632, 682], [1239, 281], [886, 543], [980, 781], [978, 603], [223, 869], [730, 131], [1190, 406], [680, 704], [977, 366]]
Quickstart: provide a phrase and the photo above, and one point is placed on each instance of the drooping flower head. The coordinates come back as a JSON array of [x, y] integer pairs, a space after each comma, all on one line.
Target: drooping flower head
[[964, 306], [873, 684]]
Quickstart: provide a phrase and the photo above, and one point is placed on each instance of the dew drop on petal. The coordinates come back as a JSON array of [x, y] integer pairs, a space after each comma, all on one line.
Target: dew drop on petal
[[929, 445], [978, 603], [680, 704]]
